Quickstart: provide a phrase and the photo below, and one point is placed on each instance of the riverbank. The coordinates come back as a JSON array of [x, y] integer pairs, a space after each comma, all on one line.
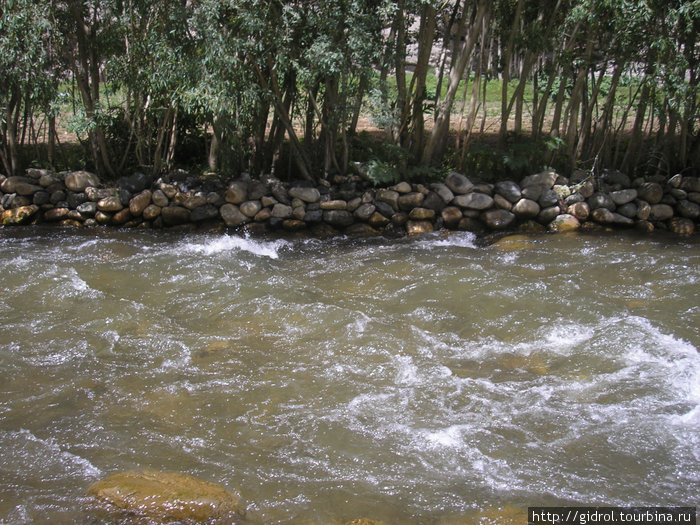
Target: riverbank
[[539, 202]]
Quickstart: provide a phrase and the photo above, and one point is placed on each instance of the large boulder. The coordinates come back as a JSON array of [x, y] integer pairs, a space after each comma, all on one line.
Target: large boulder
[[473, 201], [458, 183], [546, 179], [20, 185], [77, 181], [20, 215], [564, 223], [166, 496]]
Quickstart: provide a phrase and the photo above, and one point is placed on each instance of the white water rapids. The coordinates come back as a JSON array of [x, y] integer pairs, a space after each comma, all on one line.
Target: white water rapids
[[422, 380]]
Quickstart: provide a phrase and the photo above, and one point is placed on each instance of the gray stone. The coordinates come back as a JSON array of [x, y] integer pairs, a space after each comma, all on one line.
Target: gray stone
[[433, 202], [268, 201], [526, 209], [103, 218], [533, 192], [573, 199], [206, 212], [601, 200], [236, 193], [544, 178], [484, 188], [661, 212], [687, 209], [169, 190], [122, 216], [257, 190], [473, 201], [498, 219], [384, 208], [175, 215], [509, 190], [75, 199], [458, 183], [97, 194], [580, 210], [564, 223], [139, 203], [78, 181], [644, 226], [160, 199], [408, 201], [628, 210], [691, 184], [299, 212], [678, 194], [651, 192], [418, 227], [151, 212], [20, 185], [547, 215], [305, 194], [263, 215], [282, 211], [110, 204], [402, 187], [135, 183], [87, 209], [669, 199], [194, 200], [603, 216], [48, 179], [338, 218], [251, 208], [615, 177], [390, 197], [364, 212], [40, 198], [694, 197], [676, 181], [587, 189], [548, 198], [399, 218], [622, 197], [57, 196], [501, 202], [443, 191], [354, 204], [231, 215], [279, 192]]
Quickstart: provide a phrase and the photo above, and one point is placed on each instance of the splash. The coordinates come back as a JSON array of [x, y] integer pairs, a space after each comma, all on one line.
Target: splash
[[232, 243]]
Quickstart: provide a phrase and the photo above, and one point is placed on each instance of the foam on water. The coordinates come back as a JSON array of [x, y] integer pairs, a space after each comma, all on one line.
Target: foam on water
[[233, 243]]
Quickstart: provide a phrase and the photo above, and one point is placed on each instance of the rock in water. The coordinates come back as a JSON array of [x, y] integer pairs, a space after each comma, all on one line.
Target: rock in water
[[167, 496]]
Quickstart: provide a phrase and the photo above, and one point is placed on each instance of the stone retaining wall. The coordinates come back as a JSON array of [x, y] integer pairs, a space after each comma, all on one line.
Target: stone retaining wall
[[541, 201]]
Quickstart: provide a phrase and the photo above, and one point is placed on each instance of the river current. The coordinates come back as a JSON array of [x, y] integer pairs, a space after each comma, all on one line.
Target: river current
[[432, 379]]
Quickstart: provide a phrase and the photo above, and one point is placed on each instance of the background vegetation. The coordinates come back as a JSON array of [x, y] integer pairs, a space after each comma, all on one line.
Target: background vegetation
[[493, 87]]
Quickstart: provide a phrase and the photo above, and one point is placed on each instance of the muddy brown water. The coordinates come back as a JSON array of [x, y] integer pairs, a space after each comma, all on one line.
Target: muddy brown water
[[422, 380]]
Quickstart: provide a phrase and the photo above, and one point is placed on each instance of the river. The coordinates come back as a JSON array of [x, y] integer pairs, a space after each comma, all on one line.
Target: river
[[432, 379]]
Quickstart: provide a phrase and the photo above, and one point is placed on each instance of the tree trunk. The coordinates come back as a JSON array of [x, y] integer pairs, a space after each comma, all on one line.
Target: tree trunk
[[417, 91], [438, 138]]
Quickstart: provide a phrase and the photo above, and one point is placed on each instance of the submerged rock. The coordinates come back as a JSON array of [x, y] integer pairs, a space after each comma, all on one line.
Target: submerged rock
[[166, 496]]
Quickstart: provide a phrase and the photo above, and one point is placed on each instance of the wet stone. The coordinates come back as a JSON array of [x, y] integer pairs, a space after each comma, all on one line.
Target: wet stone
[[417, 227], [498, 219], [139, 203], [164, 496], [281, 211], [688, 209], [40, 198], [601, 200], [501, 202], [377, 220], [150, 212], [628, 210], [433, 201], [207, 212], [175, 215], [564, 223], [110, 204], [389, 197], [580, 210], [682, 226], [236, 193], [160, 199], [451, 216], [57, 196], [443, 191], [547, 215], [643, 210], [532, 192], [56, 214], [251, 208], [364, 212], [19, 215], [548, 198]]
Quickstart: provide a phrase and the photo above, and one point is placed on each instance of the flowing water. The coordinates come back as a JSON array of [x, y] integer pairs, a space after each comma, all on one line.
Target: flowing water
[[422, 380]]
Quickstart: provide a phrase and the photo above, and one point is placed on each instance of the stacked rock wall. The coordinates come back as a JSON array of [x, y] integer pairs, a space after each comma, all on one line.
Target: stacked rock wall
[[543, 200]]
